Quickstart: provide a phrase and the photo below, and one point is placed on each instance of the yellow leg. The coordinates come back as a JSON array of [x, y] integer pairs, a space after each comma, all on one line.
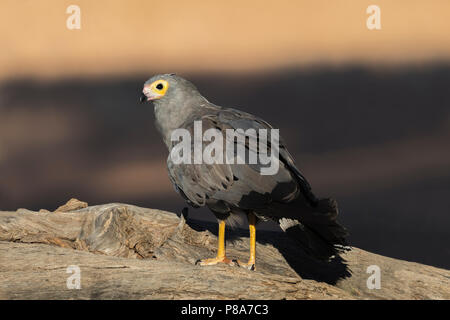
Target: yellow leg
[[221, 256], [251, 226]]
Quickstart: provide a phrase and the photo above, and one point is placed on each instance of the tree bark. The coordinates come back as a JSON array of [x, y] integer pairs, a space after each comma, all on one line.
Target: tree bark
[[127, 252]]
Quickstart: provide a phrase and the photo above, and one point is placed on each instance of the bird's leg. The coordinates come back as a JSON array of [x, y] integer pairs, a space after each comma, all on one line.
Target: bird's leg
[[221, 256], [251, 226]]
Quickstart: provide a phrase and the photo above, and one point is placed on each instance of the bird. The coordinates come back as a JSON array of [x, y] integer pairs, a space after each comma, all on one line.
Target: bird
[[231, 189]]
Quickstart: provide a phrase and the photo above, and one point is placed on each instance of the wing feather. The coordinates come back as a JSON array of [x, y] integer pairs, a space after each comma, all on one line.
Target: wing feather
[[238, 185]]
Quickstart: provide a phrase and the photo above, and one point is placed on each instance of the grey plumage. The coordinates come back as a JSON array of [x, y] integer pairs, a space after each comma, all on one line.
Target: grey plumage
[[227, 189]]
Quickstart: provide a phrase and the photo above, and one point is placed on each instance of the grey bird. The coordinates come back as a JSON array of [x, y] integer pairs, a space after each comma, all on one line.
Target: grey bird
[[233, 189]]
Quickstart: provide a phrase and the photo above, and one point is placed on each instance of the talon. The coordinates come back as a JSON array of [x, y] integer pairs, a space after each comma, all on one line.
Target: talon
[[249, 265], [214, 261]]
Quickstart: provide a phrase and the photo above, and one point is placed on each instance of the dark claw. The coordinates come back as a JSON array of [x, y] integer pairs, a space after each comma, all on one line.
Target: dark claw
[[251, 268], [198, 261]]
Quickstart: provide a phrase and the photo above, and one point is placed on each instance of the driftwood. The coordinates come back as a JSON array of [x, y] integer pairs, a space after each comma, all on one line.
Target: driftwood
[[127, 252]]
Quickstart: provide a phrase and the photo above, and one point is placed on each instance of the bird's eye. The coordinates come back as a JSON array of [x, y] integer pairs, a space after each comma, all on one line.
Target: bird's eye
[[159, 87]]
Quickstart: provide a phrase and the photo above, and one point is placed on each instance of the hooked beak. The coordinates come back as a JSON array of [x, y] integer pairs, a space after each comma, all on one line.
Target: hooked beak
[[143, 98]]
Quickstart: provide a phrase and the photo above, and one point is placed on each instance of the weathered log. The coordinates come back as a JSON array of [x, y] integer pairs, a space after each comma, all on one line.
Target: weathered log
[[128, 252]]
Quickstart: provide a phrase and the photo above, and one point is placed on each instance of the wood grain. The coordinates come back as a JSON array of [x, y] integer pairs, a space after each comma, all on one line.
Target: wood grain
[[128, 252]]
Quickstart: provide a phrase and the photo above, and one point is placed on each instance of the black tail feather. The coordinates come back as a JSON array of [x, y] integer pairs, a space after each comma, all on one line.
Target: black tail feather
[[318, 232]]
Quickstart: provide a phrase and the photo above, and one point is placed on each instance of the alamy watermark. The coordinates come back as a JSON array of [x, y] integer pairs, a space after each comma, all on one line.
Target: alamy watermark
[[74, 20], [252, 147], [374, 280], [374, 20], [73, 281]]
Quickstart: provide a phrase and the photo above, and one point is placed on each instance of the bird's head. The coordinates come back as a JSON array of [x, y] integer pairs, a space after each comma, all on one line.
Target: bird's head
[[167, 88]]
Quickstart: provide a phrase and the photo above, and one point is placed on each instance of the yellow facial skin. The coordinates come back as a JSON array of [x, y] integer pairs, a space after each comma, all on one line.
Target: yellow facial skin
[[157, 89]]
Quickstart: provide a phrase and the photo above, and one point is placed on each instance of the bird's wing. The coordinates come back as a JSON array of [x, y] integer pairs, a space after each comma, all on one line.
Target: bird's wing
[[239, 119], [223, 185]]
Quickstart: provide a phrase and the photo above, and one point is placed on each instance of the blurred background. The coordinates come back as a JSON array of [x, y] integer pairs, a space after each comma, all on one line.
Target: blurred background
[[364, 112]]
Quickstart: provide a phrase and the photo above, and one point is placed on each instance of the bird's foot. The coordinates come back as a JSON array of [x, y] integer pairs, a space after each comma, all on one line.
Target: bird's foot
[[250, 265], [213, 261]]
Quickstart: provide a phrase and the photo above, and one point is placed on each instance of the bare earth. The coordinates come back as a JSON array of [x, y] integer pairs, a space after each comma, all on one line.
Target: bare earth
[[128, 252]]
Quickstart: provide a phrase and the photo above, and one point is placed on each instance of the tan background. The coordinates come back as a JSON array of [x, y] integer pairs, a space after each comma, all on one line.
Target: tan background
[[131, 36]]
